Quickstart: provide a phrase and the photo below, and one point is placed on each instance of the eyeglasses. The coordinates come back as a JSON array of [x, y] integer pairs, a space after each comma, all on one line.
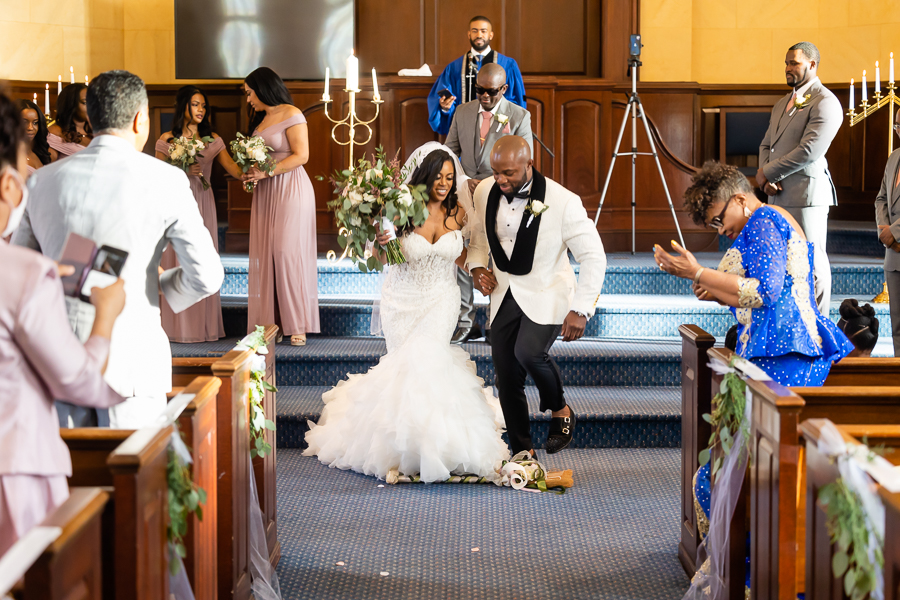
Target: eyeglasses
[[896, 126], [489, 91], [716, 222]]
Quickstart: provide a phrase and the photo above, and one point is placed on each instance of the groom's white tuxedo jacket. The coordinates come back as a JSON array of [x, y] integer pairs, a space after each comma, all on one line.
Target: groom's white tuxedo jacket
[[538, 272]]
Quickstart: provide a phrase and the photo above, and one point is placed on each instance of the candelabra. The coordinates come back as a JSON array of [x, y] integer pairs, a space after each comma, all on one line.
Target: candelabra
[[866, 110]]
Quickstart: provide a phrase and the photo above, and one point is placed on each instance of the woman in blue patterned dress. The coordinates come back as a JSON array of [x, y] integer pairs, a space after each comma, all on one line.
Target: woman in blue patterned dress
[[766, 277]]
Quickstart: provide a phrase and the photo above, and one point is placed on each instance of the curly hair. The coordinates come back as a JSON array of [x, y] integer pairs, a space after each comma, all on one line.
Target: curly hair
[[39, 144], [859, 324], [12, 133], [427, 173], [714, 182], [66, 108]]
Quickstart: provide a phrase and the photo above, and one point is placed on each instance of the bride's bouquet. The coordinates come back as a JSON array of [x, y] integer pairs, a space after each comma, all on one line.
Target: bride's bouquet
[[374, 192], [249, 152], [184, 152]]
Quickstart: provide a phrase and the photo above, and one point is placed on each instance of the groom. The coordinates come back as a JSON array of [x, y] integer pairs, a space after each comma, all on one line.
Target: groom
[[528, 224]]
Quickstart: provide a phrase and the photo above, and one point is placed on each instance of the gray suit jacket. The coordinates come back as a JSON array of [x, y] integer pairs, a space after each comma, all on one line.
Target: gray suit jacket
[[887, 208], [792, 152], [116, 196], [463, 138]]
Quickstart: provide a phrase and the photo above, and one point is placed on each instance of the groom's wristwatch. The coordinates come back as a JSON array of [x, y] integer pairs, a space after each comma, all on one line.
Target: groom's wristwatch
[[578, 312]]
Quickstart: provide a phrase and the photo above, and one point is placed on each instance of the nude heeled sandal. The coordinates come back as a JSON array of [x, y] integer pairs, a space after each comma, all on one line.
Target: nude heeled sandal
[[298, 340]]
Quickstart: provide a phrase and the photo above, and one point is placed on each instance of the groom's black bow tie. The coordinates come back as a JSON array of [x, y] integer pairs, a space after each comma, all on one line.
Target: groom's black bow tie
[[518, 196]]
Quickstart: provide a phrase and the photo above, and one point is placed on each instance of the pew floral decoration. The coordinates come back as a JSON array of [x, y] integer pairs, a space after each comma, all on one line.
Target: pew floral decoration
[[727, 418], [256, 341], [185, 498]]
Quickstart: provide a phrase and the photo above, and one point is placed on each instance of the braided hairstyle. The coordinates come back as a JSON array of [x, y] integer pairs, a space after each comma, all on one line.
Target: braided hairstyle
[[859, 324], [39, 144], [12, 133]]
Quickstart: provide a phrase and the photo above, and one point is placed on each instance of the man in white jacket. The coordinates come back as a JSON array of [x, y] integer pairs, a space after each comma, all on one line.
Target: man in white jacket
[[114, 194], [528, 225]]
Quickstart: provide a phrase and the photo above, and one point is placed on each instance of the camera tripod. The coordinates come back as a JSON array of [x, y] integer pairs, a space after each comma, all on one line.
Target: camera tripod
[[636, 109]]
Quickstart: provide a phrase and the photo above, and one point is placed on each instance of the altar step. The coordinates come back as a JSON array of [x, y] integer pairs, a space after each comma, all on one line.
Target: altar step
[[625, 274], [607, 417], [617, 316], [844, 237], [589, 362]]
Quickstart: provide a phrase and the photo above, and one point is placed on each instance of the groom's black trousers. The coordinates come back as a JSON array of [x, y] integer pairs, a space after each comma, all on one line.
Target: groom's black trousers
[[521, 347]]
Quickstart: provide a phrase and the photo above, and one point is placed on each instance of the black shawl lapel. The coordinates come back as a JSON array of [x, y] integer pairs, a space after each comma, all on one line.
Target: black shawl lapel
[[526, 239]]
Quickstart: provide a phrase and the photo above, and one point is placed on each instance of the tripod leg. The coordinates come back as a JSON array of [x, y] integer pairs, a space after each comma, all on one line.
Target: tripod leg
[[613, 162], [661, 175]]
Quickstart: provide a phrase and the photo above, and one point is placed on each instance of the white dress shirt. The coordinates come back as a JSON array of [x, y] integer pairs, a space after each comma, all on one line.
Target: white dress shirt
[[509, 218]]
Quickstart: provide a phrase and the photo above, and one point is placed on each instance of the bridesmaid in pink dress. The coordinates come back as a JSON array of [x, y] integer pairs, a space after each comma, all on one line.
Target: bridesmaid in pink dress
[[38, 151], [40, 357], [203, 321], [72, 131], [282, 283]]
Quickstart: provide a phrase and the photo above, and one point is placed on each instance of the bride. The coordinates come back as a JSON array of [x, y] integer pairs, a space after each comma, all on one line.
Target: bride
[[422, 410]]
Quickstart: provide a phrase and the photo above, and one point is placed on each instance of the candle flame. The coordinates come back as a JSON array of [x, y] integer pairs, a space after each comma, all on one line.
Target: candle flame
[[851, 81], [876, 64], [60, 77], [47, 86], [71, 69]]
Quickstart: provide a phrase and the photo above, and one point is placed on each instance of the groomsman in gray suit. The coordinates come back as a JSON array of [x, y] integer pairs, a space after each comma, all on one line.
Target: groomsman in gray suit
[[887, 215], [476, 126], [793, 171]]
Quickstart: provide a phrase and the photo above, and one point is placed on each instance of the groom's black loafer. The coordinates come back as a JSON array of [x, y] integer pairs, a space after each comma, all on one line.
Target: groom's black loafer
[[561, 431]]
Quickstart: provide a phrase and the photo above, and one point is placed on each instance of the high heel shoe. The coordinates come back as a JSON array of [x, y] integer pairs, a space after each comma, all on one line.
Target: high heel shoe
[[298, 339]]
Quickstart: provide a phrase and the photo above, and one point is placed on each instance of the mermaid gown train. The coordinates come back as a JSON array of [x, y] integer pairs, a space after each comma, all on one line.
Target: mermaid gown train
[[422, 409]]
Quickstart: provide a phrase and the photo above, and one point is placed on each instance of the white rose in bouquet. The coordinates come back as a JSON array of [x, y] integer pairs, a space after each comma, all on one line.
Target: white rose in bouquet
[[191, 150], [368, 198], [405, 196], [374, 173], [355, 197], [258, 154]]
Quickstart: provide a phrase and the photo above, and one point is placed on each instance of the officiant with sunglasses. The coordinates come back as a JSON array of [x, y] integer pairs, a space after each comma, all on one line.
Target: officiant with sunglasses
[[477, 125], [456, 84], [765, 277]]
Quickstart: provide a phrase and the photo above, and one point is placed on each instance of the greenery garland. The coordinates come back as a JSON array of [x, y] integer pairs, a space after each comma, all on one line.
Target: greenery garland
[[256, 342], [185, 498], [851, 531], [727, 417]]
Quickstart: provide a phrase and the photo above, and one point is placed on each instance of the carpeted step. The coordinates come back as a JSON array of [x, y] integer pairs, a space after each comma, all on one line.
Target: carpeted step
[[625, 274], [607, 417], [617, 316], [588, 362]]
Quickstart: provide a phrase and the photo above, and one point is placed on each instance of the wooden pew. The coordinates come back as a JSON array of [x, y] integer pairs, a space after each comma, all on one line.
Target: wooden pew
[[820, 582], [61, 558], [233, 462], [133, 463], [697, 392], [776, 492]]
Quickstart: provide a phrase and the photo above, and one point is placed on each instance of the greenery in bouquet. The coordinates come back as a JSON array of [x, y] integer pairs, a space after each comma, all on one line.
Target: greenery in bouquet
[[249, 152], [184, 152], [368, 195]]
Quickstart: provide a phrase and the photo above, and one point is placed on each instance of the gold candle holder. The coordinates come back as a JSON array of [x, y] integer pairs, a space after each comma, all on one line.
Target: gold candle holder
[[352, 122]]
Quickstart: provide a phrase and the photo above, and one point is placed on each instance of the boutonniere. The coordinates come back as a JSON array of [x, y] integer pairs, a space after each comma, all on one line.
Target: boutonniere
[[535, 208], [800, 104], [501, 121]]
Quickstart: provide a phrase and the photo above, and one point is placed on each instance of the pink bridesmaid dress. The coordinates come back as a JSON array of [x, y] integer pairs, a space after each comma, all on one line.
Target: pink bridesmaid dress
[[282, 280], [62, 147], [201, 322]]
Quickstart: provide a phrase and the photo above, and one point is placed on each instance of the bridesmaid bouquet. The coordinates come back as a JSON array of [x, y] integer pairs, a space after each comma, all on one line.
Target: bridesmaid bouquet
[[249, 152], [184, 152], [374, 193]]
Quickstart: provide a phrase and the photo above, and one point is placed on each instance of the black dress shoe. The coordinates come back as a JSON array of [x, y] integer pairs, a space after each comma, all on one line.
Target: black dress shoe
[[474, 333], [561, 431]]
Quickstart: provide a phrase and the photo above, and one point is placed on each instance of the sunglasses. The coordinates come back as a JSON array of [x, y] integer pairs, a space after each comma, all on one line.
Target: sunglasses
[[716, 222], [489, 91]]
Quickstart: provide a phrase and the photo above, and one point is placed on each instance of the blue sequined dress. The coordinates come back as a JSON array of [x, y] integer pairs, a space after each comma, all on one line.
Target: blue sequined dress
[[780, 327]]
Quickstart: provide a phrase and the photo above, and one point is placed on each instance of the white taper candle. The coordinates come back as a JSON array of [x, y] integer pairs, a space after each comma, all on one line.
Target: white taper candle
[[375, 85], [852, 94], [877, 77], [325, 96], [865, 95], [59, 86], [47, 99], [891, 74], [72, 74], [352, 72]]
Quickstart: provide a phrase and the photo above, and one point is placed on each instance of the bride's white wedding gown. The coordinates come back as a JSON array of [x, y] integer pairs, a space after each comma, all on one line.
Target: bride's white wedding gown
[[422, 409]]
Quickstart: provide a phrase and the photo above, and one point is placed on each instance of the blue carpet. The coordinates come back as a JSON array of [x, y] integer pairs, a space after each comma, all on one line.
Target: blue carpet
[[608, 417], [613, 536]]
